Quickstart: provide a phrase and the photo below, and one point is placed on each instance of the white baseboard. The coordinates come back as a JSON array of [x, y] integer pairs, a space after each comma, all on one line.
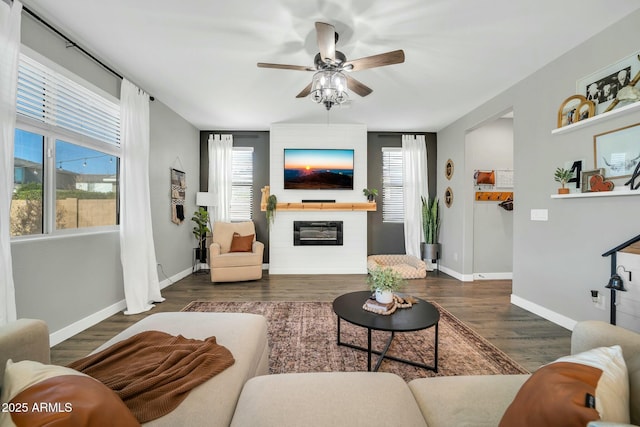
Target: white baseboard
[[493, 276], [455, 274], [171, 280], [76, 327], [543, 312]]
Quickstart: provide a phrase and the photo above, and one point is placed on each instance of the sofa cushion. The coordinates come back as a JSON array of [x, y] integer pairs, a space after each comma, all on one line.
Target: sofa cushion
[[469, 401], [213, 402], [55, 395], [574, 390], [322, 399], [241, 243]]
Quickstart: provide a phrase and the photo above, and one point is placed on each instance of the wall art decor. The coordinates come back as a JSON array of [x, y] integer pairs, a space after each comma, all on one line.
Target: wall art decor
[[178, 188], [448, 197], [448, 169], [617, 151], [573, 109], [586, 176], [602, 86]]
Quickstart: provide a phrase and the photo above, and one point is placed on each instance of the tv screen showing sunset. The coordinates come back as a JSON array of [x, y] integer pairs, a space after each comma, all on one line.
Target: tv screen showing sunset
[[319, 169]]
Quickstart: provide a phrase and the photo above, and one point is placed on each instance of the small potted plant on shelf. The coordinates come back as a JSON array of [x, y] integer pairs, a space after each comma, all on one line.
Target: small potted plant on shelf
[[370, 193], [563, 176], [384, 282], [430, 229], [201, 219]]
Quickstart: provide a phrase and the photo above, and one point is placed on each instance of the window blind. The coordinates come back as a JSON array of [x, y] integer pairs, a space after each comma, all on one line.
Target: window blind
[[51, 98], [392, 185], [242, 184]]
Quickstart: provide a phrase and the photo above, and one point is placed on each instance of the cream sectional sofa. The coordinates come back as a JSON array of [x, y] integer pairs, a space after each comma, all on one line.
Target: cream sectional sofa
[[243, 395]]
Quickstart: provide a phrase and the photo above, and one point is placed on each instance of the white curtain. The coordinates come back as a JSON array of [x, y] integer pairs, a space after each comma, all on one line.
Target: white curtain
[[220, 175], [415, 185], [137, 251], [9, 53]]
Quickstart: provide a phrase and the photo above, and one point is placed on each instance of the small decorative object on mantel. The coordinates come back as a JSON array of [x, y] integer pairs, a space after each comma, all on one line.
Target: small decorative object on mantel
[[598, 183], [562, 175], [384, 282], [370, 193], [574, 109]]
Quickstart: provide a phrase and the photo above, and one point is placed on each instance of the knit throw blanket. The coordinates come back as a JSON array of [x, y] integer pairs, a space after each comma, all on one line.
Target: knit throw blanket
[[153, 372]]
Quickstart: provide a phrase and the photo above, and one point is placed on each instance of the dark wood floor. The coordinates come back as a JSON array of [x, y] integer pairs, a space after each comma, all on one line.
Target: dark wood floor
[[483, 305]]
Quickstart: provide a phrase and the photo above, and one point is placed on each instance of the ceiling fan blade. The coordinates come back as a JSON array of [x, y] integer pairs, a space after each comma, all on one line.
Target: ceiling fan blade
[[326, 34], [389, 58], [357, 87], [306, 91], [285, 66]]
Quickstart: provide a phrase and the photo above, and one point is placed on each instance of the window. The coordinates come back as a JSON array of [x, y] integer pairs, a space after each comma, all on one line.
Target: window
[[66, 153], [242, 184], [392, 190]]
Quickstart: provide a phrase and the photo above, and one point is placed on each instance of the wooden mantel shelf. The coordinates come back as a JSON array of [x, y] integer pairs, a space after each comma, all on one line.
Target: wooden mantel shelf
[[311, 206]]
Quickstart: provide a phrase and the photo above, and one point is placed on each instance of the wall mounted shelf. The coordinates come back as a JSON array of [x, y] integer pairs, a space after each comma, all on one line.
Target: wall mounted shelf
[[613, 193], [311, 206], [626, 109]]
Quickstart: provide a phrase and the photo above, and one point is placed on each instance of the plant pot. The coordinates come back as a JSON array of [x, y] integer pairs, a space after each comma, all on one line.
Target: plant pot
[[563, 191], [384, 297], [430, 251], [370, 198]]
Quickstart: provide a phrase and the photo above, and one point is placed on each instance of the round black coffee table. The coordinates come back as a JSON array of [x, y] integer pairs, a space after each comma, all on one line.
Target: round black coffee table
[[420, 316]]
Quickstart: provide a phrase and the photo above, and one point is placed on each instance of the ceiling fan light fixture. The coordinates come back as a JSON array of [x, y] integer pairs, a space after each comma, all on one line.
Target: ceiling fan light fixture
[[328, 87]]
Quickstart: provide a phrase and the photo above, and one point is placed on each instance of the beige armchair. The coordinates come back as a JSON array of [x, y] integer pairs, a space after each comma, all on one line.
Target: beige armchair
[[241, 262]]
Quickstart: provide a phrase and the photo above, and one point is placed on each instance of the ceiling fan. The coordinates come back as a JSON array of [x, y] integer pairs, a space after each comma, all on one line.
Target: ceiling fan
[[329, 81]]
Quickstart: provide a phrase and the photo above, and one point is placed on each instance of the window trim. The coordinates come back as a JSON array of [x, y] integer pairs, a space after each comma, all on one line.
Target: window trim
[[251, 150], [50, 134]]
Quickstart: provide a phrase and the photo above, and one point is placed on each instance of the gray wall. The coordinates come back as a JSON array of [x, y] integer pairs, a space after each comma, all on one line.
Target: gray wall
[[388, 238], [63, 280], [556, 262], [259, 140], [490, 147]]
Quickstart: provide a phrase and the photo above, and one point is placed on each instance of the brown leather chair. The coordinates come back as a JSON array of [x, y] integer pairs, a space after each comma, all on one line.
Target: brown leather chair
[[235, 266]]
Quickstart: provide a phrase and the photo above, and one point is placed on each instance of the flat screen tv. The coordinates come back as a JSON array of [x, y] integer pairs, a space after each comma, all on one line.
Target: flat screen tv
[[318, 169]]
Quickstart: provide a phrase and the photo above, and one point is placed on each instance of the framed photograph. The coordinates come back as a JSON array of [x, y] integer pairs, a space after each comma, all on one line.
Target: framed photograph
[[618, 151], [586, 176], [574, 109], [602, 86]]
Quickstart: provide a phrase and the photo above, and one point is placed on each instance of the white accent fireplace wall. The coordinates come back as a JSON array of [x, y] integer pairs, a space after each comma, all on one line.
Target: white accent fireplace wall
[[351, 257]]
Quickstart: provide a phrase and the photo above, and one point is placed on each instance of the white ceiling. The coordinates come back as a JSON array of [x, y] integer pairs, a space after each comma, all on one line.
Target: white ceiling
[[199, 56]]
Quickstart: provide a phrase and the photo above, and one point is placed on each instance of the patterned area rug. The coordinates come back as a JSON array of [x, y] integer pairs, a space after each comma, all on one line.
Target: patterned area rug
[[302, 336]]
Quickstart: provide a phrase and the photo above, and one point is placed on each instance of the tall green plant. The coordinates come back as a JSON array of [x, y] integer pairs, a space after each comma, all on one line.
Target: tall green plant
[[201, 219], [430, 219]]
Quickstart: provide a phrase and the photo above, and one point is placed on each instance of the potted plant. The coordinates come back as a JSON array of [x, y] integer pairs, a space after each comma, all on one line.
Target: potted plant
[[270, 211], [430, 228], [384, 282], [563, 176], [370, 193], [200, 230]]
